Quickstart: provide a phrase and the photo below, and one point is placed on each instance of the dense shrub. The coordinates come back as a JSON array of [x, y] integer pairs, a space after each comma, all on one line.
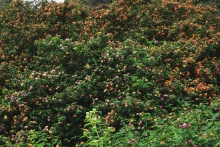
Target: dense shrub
[[127, 73]]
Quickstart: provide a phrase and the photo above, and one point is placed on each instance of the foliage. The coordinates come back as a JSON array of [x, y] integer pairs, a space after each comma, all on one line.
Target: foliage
[[123, 73], [96, 135], [4, 3]]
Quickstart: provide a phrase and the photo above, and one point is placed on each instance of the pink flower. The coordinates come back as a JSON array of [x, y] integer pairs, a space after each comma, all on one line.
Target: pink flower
[[185, 125], [31, 87], [132, 140], [24, 94], [130, 124], [189, 141], [140, 123]]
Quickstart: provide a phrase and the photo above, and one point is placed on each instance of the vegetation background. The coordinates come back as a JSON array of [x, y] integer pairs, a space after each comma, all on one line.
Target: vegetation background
[[110, 73]]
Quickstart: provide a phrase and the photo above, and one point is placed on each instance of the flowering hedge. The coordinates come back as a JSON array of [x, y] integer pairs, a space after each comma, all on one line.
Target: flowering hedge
[[127, 73]]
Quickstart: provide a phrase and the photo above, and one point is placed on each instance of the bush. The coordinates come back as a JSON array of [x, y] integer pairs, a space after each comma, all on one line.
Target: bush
[[126, 73]]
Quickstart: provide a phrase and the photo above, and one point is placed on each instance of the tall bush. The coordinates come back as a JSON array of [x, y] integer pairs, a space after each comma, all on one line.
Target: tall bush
[[147, 71]]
